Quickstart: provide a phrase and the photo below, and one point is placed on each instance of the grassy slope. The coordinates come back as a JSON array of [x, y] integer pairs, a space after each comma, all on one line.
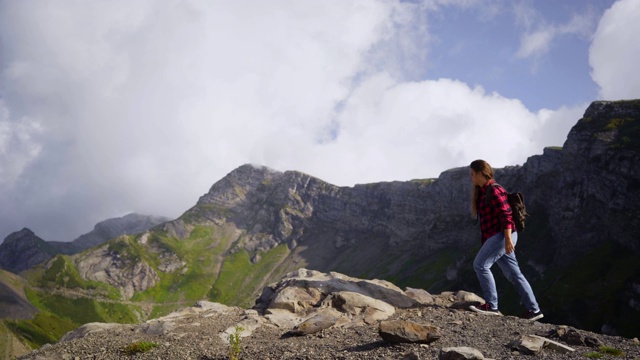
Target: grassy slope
[[10, 345], [240, 278], [15, 282], [200, 251], [60, 311]]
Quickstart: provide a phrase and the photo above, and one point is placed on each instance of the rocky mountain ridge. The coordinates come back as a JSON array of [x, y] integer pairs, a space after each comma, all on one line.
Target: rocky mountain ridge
[[23, 249], [313, 315]]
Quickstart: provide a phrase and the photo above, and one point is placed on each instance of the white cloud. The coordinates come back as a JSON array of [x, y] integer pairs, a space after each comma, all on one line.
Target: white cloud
[[390, 130], [615, 51], [536, 43], [18, 146], [142, 106], [539, 36]]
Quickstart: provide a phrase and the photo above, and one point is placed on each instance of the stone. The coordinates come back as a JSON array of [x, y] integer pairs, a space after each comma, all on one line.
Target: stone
[[419, 295], [410, 355], [464, 299], [460, 353], [295, 299], [572, 337], [324, 319], [562, 331], [593, 342], [528, 344], [282, 318], [387, 292], [554, 345], [403, 331], [360, 307]]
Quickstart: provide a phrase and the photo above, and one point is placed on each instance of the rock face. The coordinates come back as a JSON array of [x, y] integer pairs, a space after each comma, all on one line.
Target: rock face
[[101, 265], [23, 249]]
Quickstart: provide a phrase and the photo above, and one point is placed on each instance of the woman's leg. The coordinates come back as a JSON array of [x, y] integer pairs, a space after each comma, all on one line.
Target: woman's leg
[[511, 270], [489, 253]]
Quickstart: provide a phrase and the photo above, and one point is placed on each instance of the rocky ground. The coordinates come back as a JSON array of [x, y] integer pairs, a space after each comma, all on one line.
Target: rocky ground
[[196, 337], [202, 332]]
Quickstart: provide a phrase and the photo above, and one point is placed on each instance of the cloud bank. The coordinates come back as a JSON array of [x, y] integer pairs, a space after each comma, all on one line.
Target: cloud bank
[[615, 51], [118, 106]]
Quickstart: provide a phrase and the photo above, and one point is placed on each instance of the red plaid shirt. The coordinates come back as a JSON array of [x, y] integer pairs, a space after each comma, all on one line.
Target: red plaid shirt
[[494, 218]]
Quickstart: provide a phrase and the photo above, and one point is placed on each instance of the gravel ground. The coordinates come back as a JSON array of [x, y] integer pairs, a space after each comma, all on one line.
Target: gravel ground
[[196, 337]]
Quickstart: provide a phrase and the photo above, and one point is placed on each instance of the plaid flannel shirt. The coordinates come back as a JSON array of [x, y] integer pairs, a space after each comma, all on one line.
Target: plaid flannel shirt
[[496, 217]]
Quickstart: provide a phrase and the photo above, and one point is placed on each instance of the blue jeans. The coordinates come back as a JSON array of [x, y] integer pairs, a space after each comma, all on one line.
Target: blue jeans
[[493, 252]]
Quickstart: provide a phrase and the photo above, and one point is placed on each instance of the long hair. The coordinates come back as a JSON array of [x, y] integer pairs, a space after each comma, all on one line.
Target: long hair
[[479, 166]]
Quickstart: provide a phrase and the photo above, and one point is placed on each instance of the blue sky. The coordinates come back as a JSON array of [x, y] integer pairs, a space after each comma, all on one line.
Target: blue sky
[[479, 48], [111, 107]]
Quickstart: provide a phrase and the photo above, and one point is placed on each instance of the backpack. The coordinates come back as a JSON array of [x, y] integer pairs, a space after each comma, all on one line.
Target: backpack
[[518, 210]]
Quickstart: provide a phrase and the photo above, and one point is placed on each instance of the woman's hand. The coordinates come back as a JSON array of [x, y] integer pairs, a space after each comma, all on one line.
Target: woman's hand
[[508, 244]]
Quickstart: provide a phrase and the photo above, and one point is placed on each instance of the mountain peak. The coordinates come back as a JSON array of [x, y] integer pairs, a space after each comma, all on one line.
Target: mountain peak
[[232, 188], [21, 235], [24, 249]]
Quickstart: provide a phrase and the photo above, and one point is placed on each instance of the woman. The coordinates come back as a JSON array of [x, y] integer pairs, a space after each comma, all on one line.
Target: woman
[[499, 239]]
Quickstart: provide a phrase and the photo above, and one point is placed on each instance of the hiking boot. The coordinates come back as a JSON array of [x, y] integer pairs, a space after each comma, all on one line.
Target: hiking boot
[[485, 309], [533, 316]]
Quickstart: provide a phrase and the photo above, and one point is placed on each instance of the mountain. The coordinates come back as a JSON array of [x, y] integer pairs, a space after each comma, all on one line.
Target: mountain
[[22, 250], [579, 250], [112, 228]]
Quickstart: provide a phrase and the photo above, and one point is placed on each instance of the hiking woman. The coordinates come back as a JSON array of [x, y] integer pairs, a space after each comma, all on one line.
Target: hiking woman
[[499, 239]]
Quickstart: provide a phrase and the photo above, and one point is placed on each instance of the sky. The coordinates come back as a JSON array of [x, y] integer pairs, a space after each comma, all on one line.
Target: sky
[[119, 106]]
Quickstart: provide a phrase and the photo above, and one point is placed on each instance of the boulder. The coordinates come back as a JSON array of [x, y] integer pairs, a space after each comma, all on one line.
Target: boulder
[[419, 295], [361, 308], [295, 299], [555, 346], [464, 299], [572, 337], [460, 353], [303, 289], [323, 319], [528, 344], [303, 294], [402, 331]]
